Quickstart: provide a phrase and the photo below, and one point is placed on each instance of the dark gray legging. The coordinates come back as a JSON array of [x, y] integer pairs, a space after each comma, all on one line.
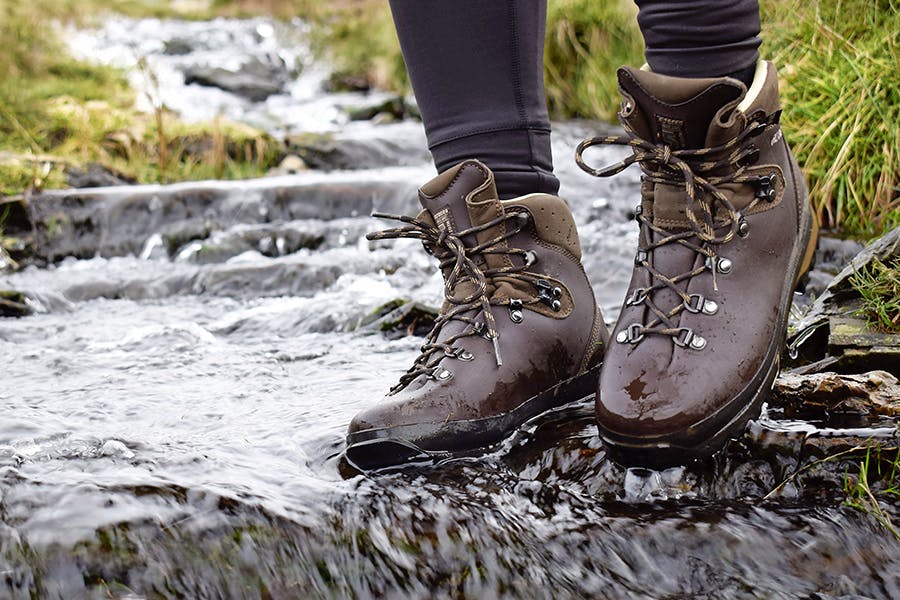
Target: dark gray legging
[[476, 68]]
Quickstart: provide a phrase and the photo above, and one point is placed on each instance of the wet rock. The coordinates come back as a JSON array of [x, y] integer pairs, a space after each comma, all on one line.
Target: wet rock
[[96, 175], [859, 347], [340, 81], [254, 79], [329, 152], [395, 107], [13, 304], [269, 240], [178, 234], [119, 221], [833, 313], [400, 318], [178, 46], [875, 392]]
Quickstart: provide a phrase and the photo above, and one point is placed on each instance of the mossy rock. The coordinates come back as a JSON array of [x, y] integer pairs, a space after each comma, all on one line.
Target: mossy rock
[[399, 318]]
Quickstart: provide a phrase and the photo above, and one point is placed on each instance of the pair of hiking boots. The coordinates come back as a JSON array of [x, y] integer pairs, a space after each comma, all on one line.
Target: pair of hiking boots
[[725, 232]]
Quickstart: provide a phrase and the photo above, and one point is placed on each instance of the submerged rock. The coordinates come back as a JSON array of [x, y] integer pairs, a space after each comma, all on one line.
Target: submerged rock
[[400, 318], [13, 304], [254, 79]]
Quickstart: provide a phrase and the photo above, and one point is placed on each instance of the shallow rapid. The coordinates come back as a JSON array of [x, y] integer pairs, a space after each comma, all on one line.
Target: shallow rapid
[[172, 418]]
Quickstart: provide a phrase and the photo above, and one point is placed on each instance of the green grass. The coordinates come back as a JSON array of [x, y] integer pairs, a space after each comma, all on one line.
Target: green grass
[[879, 286], [869, 485], [56, 112], [586, 42], [840, 67], [876, 483]]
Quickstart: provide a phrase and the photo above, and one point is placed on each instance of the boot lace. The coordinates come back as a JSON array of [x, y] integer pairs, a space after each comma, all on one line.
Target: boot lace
[[460, 264], [700, 172]]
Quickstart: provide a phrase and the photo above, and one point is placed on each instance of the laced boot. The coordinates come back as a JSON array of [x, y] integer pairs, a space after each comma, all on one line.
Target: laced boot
[[519, 332], [725, 232]]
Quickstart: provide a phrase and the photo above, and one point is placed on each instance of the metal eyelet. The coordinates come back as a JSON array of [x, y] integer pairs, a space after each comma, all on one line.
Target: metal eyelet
[[529, 257], [743, 228], [549, 294], [752, 157], [765, 187], [638, 295], [515, 311], [722, 265], [465, 356], [699, 304], [442, 374], [686, 338], [641, 257], [522, 218], [630, 335], [481, 330]]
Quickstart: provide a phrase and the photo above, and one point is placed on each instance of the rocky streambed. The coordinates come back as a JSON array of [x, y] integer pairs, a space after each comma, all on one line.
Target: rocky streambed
[[175, 402]]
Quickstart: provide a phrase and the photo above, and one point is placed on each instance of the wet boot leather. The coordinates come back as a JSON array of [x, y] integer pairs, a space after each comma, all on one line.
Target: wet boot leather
[[725, 232], [519, 332]]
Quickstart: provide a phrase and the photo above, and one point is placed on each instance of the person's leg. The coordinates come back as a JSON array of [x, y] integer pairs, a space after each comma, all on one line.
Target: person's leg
[[701, 38], [519, 332], [477, 72], [725, 231]]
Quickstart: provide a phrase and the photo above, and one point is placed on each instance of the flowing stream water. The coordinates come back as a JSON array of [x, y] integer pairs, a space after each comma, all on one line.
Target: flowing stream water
[[172, 417]]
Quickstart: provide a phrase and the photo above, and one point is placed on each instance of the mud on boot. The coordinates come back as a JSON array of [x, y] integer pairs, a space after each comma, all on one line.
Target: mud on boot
[[519, 332], [725, 232]]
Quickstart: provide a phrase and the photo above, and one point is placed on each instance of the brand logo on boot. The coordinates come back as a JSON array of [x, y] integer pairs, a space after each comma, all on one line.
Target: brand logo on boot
[[444, 220], [776, 138], [671, 132]]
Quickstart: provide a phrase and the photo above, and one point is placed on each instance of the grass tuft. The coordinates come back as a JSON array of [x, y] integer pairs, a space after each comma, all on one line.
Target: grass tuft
[[878, 284], [841, 90], [876, 482]]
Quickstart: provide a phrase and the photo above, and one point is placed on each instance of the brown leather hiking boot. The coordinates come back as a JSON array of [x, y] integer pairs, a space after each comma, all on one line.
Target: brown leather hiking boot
[[518, 334], [725, 232]]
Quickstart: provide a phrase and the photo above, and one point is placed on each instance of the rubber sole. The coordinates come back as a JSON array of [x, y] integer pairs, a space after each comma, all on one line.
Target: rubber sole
[[729, 421], [427, 443]]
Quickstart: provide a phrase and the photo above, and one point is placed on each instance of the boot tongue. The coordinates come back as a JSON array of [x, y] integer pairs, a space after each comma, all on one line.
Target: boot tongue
[[461, 197], [675, 111], [680, 113]]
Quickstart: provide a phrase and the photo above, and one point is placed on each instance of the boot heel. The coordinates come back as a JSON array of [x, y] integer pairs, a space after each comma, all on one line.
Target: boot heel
[[809, 256]]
